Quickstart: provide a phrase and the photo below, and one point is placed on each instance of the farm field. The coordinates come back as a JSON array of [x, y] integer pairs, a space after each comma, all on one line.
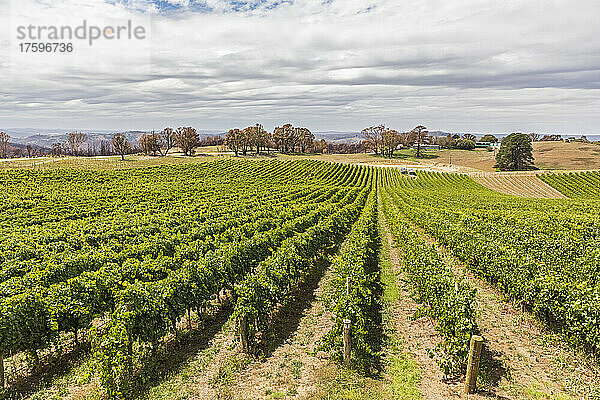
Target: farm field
[[232, 279], [547, 156], [556, 156], [518, 184]]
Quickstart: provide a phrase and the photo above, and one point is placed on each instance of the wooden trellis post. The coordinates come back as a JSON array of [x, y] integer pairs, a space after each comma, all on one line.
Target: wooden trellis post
[[347, 330], [347, 342], [244, 333], [1, 370], [348, 283], [473, 363]]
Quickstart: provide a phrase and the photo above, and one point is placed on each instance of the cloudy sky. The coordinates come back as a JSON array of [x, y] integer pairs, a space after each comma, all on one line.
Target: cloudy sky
[[463, 65]]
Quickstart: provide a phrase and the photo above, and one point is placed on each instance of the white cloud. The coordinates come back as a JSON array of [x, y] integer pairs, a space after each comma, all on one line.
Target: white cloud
[[463, 65]]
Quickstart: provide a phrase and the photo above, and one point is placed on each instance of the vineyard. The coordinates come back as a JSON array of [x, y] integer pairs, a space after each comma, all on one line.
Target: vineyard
[[544, 253], [582, 185], [124, 261]]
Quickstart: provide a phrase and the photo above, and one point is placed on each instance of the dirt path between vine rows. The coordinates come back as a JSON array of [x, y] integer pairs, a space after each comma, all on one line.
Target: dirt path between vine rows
[[522, 359], [293, 369], [198, 377], [418, 335], [286, 368]]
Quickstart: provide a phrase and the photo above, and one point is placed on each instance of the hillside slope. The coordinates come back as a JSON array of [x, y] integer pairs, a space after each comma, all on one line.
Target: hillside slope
[[518, 184]]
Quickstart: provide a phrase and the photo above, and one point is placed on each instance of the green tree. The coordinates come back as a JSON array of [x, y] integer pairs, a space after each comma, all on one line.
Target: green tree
[[285, 138], [465, 144], [421, 137], [516, 153], [374, 137], [258, 137], [489, 138], [390, 141], [306, 139], [447, 142]]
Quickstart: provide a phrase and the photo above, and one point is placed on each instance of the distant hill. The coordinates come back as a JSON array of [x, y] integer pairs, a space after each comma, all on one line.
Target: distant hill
[[93, 138], [339, 137], [16, 149], [45, 138]]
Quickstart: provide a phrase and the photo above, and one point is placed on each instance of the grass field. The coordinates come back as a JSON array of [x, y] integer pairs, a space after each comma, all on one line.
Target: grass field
[[548, 156]]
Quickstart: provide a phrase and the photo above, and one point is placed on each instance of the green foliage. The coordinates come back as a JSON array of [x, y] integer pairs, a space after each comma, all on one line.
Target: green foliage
[[445, 298], [142, 247], [27, 321], [447, 142], [582, 185], [271, 284], [358, 261], [465, 144], [138, 249], [542, 253], [489, 138], [516, 153], [114, 355]]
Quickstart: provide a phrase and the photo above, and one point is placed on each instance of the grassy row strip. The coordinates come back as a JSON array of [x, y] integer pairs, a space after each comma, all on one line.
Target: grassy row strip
[[448, 300], [358, 260]]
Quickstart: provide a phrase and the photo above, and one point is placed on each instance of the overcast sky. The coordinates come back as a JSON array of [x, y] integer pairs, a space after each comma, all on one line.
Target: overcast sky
[[462, 65]]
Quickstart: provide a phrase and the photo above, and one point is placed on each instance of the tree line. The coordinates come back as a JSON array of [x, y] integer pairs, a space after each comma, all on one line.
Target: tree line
[[383, 140], [286, 139], [154, 143]]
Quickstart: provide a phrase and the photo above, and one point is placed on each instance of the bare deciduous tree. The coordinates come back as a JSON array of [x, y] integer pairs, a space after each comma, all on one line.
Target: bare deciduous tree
[[535, 137], [56, 149], [120, 144], [233, 140], [75, 140], [187, 139], [168, 139], [150, 143], [4, 144], [470, 136], [105, 148], [390, 139], [373, 137]]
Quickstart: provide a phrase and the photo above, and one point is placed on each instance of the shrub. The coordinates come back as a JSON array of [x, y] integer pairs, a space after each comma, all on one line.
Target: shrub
[[465, 144]]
